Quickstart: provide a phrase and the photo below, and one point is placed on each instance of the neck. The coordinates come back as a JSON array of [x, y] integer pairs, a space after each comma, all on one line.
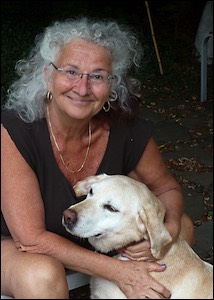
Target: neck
[[59, 149], [66, 127]]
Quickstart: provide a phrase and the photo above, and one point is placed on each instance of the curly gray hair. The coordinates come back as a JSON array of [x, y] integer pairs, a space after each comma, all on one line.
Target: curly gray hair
[[27, 95]]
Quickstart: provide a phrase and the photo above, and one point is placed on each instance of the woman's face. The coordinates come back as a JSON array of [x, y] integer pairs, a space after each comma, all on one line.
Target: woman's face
[[83, 96]]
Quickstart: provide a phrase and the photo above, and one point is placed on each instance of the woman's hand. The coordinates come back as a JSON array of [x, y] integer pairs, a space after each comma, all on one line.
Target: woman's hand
[[136, 282], [138, 251], [142, 250]]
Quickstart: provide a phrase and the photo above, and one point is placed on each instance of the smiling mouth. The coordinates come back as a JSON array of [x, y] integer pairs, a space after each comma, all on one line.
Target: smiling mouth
[[80, 101]]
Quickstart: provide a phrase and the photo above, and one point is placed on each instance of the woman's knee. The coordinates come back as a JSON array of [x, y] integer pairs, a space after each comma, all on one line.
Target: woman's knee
[[44, 278], [187, 229], [28, 276]]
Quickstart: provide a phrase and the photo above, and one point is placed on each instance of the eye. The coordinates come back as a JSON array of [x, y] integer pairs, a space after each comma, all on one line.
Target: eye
[[110, 208], [91, 192], [71, 72], [96, 77]]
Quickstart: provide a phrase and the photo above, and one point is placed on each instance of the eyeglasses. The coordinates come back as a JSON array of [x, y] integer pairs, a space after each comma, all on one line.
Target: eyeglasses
[[95, 78]]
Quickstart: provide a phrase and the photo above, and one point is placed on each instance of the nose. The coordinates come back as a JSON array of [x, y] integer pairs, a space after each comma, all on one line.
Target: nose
[[70, 218], [82, 86]]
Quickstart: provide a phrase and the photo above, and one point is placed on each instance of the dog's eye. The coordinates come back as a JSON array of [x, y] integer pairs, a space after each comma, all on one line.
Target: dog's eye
[[110, 208], [91, 192]]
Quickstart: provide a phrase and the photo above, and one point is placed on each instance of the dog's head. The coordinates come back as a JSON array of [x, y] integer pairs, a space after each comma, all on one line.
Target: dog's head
[[117, 211]]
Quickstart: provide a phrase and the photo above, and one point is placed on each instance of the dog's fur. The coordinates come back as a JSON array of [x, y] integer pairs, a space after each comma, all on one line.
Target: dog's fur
[[119, 210]]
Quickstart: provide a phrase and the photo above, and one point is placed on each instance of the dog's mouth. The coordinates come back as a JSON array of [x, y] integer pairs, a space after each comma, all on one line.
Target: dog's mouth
[[98, 235], [86, 236]]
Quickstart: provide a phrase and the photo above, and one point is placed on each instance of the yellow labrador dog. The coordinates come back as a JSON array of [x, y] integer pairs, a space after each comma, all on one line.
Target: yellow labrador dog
[[118, 211]]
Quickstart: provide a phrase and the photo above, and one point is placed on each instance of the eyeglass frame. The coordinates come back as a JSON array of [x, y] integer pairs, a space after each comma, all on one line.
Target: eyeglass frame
[[80, 75]]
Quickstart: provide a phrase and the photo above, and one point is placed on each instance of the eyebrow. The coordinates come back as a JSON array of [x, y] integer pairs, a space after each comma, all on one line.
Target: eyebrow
[[95, 70]]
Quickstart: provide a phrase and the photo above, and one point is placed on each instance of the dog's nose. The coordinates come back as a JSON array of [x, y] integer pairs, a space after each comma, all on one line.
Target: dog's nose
[[70, 217]]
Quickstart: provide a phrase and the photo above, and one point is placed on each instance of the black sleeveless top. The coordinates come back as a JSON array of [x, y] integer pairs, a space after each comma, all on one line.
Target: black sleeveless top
[[126, 144]]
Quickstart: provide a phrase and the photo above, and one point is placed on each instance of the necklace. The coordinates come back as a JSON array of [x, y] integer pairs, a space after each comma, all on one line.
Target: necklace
[[59, 151]]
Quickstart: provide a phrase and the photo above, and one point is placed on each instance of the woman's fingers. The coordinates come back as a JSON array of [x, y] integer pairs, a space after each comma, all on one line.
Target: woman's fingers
[[139, 251]]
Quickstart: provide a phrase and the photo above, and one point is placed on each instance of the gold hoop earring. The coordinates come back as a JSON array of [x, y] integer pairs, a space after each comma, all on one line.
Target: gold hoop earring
[[106, 109], [49, 95]]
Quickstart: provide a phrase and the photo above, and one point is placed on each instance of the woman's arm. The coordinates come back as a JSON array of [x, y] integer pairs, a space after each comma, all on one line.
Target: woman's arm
[[152, 171], [23, 210]]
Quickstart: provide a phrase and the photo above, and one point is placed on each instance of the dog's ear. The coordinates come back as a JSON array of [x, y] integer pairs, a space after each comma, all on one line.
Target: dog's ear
[[152, 215], [83, 187]]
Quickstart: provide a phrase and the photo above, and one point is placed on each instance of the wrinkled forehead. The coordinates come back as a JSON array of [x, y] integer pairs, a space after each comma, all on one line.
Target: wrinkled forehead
[[80, 51]]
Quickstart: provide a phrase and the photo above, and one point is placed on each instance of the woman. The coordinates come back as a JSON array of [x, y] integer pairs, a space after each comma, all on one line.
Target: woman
[[72, 114]]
